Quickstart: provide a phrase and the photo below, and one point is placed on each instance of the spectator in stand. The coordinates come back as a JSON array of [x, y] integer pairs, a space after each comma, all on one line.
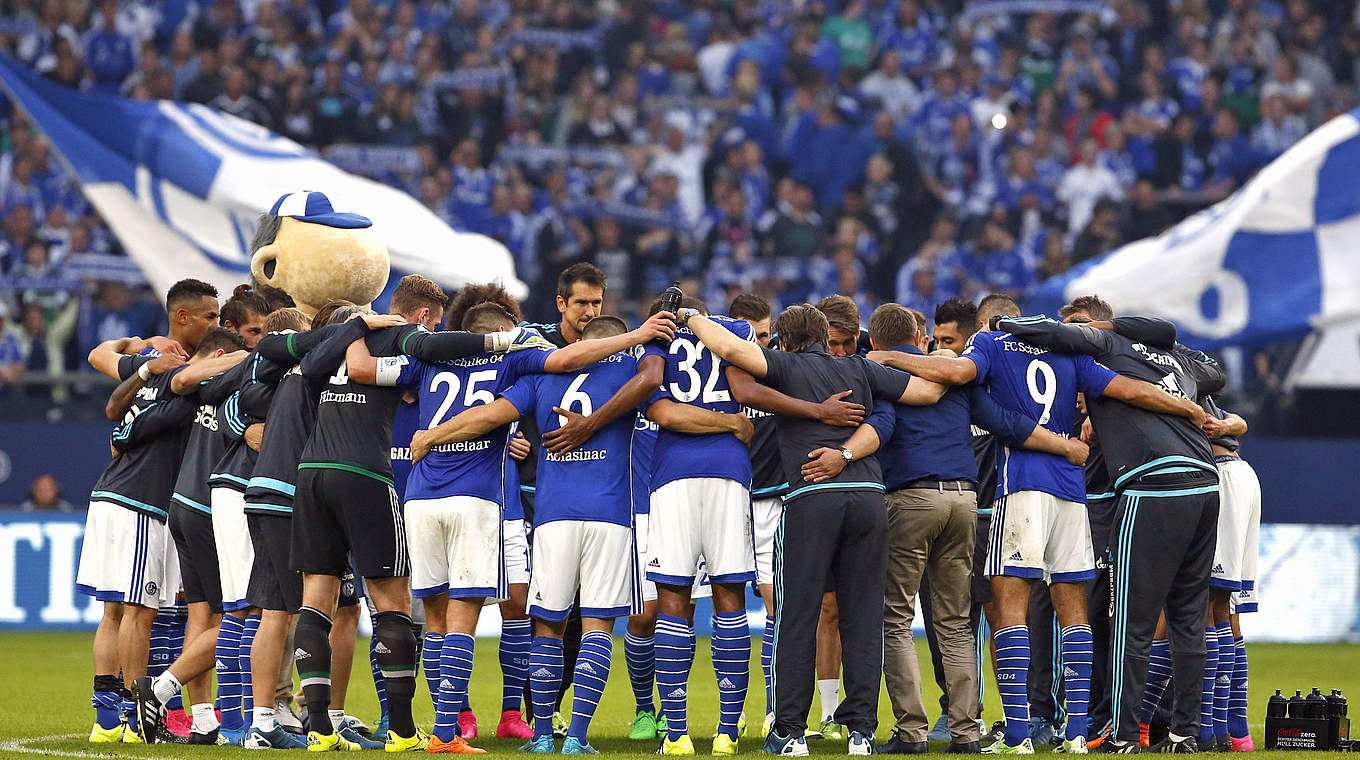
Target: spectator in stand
[[1087, 120], [234, 100], [109, 55], [894, 89], [1285, 82], [1147, 216], [1085, 68], [1101, 234], [796, 231], [13, 358], [1277, 130], [1085, 184], [44, 495], [997, 263], [19, 189], [851, 35], [1230, 161]]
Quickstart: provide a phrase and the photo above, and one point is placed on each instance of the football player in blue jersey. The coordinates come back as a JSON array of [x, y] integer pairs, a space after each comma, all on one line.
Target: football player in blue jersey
[[455, 496], [580, 545], [1039, 528]]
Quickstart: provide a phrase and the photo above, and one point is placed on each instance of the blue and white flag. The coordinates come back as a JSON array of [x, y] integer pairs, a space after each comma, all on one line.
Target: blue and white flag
[[182, 186], [1270, 262]]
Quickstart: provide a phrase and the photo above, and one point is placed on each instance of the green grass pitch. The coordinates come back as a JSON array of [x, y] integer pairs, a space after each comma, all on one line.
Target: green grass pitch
[[45, 698]]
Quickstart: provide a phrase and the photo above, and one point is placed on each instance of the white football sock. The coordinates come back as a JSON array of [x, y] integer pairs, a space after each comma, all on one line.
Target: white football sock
[[205, 718], [829, 692], [165, 686], [264, 719]]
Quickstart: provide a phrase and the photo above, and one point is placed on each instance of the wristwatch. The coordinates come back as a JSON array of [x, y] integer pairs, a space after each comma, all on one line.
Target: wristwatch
[[847, 455], [683, 317]]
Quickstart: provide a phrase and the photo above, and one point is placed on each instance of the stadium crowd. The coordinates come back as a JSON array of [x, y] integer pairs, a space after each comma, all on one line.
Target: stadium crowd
[[910, 150]]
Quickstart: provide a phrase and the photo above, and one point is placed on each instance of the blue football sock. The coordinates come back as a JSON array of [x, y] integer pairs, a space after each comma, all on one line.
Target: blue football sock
[[1077, 654], [1227, 659], [731, 649], [640, 655], [167, 642], [516, 638], [1012, 668], [591, 675], [107, 701], [545, 680], [767, 662], [228, 678], [430, 653], [1206, 699], [455, 668], [1237, 697], [252, 625], [674, 657], [380, 683], [1159, 675]]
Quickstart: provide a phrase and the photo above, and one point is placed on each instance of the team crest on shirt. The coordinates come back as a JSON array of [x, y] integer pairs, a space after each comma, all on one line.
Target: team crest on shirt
[[152, 588]]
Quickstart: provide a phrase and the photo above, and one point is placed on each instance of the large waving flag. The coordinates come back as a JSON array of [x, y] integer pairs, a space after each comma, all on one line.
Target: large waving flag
[[182, 185], [1269, 262]]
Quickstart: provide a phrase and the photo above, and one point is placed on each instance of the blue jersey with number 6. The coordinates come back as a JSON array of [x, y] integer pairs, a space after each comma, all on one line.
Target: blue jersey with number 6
[[466, 468], [1043, 386], [695, 376], [592, 483]]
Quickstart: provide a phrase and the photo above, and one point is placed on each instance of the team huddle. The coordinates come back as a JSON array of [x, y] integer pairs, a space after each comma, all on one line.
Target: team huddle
[[275, 473]]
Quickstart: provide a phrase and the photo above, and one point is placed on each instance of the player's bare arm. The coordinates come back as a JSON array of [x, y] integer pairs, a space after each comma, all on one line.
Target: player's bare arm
[[584, 353], [942, 370], [833, 411], [650, 372], [186, 380], [687, 418], [465, 426], [725, 344], [826, 463], [1073, 450]]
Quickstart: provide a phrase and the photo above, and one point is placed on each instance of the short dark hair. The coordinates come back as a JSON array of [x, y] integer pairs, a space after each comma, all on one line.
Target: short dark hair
[[275, 297], [802, 327], [486, 318], [581, 271], [474, 295], [997, 304], [963, 312], [892, 325], [327, 314], [749, 306], [287, 318], [244, 301], [604, 326], [188, 290], [1099, 309], [219, 337], [841, 313], [415, 292]]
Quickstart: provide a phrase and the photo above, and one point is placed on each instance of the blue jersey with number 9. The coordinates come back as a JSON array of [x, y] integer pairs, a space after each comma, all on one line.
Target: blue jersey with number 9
[[695, 376], [1043, 386], [444, 389]]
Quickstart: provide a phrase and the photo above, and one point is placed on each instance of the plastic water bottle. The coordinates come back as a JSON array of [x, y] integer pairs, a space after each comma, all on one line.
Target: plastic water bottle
[[670, 298], [1336, 704], [1277, 706], [1296, 705], [1317, 705]]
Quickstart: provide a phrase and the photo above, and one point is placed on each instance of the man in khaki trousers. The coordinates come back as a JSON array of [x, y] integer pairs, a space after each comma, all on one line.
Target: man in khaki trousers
[[930, 474]]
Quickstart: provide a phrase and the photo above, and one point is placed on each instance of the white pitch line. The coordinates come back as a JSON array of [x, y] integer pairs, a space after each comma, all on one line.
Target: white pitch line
[[20, 746]]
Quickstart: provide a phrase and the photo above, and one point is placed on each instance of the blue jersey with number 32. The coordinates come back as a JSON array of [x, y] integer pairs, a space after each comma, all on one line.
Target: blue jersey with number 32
[[592, 483], [466, 468], [1043, 386], [695, 376]]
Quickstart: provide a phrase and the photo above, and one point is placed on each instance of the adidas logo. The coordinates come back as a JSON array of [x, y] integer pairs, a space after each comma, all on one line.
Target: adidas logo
[[1224, 680], [445, 684], [298, 654], [586, 668], [381, 648], [1069, 673], [654, 563], [541, 673], [1016, 557], [1218, 568], [220, 665], [726, 683], [677, 693]]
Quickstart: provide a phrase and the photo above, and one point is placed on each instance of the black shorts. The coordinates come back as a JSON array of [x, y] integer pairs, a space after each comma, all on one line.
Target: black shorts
[[981, 584], [274, 584], [194, 543], [337, 514]]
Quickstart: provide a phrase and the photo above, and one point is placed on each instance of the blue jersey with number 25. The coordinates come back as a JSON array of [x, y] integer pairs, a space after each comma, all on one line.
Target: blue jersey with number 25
[[1043, 386], [695, 376]]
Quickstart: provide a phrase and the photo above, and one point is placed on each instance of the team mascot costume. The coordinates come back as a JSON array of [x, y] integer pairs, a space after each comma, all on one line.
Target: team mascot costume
[[316, 254]]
